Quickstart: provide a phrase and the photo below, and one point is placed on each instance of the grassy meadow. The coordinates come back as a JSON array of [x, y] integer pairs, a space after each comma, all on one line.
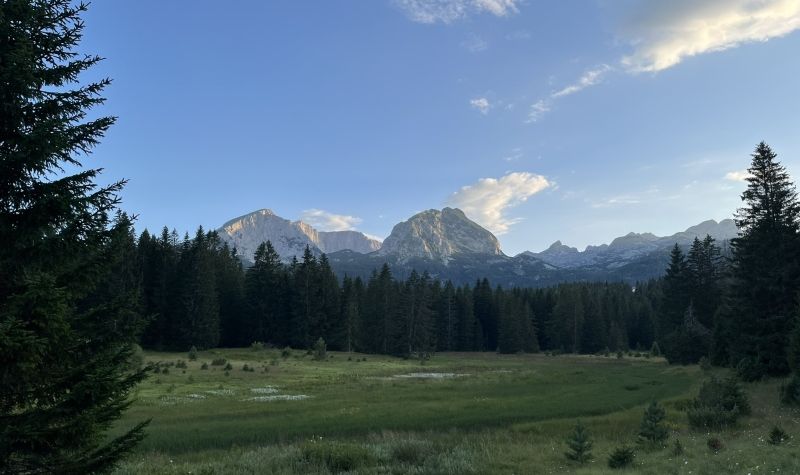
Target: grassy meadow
[[457, 413]]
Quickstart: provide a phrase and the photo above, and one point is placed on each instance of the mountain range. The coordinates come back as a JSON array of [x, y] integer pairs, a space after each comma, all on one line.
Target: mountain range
[[448, 245]]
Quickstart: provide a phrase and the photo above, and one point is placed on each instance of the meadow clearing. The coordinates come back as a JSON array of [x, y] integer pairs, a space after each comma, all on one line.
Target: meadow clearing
[[456, 413]]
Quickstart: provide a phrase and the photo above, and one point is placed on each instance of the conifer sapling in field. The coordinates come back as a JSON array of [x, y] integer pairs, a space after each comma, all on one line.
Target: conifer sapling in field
[[652, 431], [579, 444]]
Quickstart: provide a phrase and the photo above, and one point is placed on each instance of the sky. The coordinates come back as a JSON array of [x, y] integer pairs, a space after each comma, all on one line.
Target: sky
[[543, 120]]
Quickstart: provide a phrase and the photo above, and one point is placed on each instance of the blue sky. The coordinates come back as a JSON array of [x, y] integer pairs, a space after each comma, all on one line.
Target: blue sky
[[543, 120]]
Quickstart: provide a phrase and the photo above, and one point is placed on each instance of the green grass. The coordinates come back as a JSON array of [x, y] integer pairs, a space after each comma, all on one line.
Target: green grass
[[507, 414]]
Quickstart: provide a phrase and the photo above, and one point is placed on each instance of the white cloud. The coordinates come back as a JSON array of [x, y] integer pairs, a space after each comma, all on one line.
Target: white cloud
[[325, 221], [738, 175], [666, 33], [589, 78], [482, 104], [538, 110], [448, 11], [488, 200]]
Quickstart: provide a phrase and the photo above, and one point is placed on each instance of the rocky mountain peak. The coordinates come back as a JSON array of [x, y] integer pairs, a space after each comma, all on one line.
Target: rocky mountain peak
[[438, 235]]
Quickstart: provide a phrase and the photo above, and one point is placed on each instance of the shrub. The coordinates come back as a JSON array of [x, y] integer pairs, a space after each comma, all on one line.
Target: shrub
[[257, 346], [677, 448], [320, 350], [412, 452], [180, 364], [218, 361], [245, 367], [165, 371], [777, 436], [620, 354], [228, 367], [790, 391], [714, 444], [748, 369], [652, 431], [286, 352], [336, 456], [719, 404], [655, 350], [204, 366], [192, 353], [621, 457], [136, 361], [579, 444], [705, 363]]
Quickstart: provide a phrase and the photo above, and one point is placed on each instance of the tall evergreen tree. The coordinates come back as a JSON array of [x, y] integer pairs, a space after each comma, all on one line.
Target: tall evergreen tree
[[65, 343], [765, 268]]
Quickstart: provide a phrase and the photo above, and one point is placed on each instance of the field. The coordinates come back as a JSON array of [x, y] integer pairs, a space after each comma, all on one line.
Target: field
[[456, 413]]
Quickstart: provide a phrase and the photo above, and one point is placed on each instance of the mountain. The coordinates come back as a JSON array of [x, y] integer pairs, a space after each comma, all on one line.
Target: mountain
[[289, 238], [449, 246], [439, 236], [626, 249]]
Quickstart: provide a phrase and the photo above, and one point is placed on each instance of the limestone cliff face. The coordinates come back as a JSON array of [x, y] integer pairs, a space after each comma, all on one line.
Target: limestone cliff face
[[438, 236], [289, 238]]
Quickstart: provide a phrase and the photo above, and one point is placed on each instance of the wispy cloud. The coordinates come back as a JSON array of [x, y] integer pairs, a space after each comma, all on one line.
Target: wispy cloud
[[666, 33], [589, 78], [482, 104], [738, 175], [538, 110], [475, 44], [326, 221], [489, 200], [448, 11]]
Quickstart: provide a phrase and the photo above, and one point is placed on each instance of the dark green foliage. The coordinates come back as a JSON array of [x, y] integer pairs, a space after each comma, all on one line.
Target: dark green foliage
[[69, 286], [715, 444], [337, 456], [652, 431], [790, 391], [218, 361], [579, 444], [677, 448], [655, 350], [621, 457], [719, 404], [228, 367], [760, 304], [777, 436], [193, 353], [320, 350], [204, 366], [180, 364]]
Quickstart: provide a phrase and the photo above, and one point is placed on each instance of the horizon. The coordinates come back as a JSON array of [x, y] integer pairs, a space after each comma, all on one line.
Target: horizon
[[541, 122]]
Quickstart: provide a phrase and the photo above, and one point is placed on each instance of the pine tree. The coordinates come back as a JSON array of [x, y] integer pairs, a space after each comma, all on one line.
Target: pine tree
[[652, 431], [65, 342], [765, 268], [579, 444]]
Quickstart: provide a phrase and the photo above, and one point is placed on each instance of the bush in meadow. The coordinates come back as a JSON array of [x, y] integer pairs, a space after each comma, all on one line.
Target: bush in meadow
[[777, 436], [790, 391], [320, 350], [579, 444], [193, 353], [719, 404], [652, 431], [621, 457]]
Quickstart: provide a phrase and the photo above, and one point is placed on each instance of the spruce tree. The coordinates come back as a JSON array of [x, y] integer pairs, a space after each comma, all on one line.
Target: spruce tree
[[68, 318], [765, 269], [652, 431], [579, 444]]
